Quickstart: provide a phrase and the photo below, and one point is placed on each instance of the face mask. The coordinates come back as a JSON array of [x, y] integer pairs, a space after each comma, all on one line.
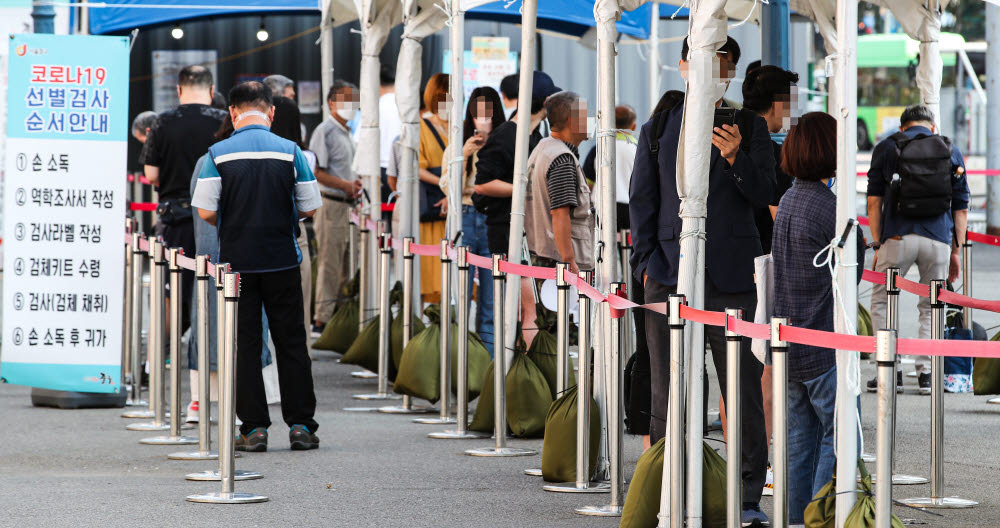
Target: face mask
[[346, 114], [484, 125], [830, 182], [254, 113], [443, 115]]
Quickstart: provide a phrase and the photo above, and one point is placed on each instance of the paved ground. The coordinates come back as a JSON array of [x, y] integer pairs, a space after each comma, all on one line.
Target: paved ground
[[82, 468]]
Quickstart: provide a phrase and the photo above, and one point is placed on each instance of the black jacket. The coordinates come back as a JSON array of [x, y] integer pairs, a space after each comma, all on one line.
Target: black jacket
[[732, 238], [496, 162]]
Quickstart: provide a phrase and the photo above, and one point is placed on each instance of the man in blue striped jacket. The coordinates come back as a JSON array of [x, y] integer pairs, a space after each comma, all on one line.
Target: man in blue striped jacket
[[254, 187]]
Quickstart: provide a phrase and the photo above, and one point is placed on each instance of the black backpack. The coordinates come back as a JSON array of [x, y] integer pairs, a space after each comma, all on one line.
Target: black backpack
[[924, 166]]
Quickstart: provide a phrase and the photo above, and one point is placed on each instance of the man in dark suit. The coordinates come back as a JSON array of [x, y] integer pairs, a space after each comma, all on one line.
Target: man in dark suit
[[741, 177]]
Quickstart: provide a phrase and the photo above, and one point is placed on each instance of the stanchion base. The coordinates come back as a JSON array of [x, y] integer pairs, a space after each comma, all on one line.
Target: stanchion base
[[600, 511], [227, 498], [169, 440], [533, 472], [993, 400], [139, 413], [501, 452], [414, 409], [136, 403], [868, 458], [364, 374], [903, 480], [571, 487], [438, 421], [213, 476], [377, 396], [458, 435], [950, 503], [194, 455], [361, 409], [148, 426]]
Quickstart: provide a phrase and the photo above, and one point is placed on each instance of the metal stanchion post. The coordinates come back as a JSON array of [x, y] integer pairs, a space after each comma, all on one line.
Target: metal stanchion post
[[937, 498], [584, 399], [672, 491], [363, 300], [176, 414], [734, 432], [967, 282], [615, 408], [385, 314], [135, 330], [445, 405], [779, 414], [407, 406], [628, 330], [352, 250], [885, 357], [500, 449], [126, 372], [562, 329], [892, 322], [461, 415], [227, 407], [157, 322], [204, 451]]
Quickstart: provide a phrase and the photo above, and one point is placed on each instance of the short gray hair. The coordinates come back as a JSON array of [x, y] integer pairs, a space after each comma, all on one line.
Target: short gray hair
[[339, 85], [278, 83], [916, 113], [559, 107], [143, 121]]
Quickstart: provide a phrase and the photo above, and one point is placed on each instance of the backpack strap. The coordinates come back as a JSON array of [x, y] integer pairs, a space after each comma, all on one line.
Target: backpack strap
[[435, 132], [659, 123]]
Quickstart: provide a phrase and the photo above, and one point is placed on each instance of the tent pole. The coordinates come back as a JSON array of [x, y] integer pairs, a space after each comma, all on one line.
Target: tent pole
[[654, 56], [326, 58], [775, 26], [455, 130], [512, 295], [845, 317], [993, 125]]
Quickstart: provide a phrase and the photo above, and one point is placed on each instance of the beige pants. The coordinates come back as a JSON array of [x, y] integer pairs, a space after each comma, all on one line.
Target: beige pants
[[305, 269], [931, 258], [331, 226]]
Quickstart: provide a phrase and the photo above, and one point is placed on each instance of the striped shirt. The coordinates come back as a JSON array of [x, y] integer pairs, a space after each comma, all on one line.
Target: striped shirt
[[561, 179]]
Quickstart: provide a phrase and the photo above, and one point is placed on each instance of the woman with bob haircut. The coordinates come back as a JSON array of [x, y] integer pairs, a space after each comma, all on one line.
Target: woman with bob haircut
[[804, 226], [433, 204]]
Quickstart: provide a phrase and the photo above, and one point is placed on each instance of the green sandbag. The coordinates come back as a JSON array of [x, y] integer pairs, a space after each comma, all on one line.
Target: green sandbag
[[642, 504], [863, 513], [419, 368], [483, 418], [342, 329], [528, 398], [864, 322], [543, 353], [479, 362], [396, 337], [559, 446], [986, 374], [821, 512], [364, 351]]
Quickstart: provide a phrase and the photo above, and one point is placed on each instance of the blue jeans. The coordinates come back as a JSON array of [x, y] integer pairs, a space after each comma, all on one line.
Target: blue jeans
[[474, 236], [811, 459]]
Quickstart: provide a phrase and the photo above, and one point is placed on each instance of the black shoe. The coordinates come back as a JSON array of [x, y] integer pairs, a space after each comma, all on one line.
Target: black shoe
[[302, 439], [924, 381], [873, 383], [255, 442]]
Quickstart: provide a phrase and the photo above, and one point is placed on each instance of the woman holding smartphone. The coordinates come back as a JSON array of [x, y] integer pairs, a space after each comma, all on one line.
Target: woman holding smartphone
[[483, 115]]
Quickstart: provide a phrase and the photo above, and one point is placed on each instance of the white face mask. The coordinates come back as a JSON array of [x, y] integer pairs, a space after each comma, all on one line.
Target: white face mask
[[249, 113], [347, 114], [484, 125]]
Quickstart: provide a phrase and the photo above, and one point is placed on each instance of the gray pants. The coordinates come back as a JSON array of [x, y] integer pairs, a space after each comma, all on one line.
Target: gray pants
[[931, 258]]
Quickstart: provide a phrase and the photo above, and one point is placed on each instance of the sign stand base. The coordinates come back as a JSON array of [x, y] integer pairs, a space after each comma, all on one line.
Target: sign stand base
[[77, 400]]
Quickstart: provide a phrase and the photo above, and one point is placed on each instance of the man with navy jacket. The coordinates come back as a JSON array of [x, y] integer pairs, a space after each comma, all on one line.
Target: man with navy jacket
[[741, 177]]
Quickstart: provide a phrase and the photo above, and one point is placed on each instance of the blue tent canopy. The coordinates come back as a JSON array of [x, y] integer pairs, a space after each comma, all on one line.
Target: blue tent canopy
[[572, 17]]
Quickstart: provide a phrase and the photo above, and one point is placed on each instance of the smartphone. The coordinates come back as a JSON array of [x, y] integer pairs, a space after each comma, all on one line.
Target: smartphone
[[724, 116]]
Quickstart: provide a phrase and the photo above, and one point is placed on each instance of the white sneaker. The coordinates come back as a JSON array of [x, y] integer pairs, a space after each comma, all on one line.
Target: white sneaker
[[769, 483], [192, 412]]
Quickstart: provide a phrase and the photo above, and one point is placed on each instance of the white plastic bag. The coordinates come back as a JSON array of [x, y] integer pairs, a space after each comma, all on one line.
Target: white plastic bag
[[763, 267]]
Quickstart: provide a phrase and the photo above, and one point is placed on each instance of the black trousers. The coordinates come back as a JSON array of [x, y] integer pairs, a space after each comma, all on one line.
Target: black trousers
[[755, 445], [280, 295], [181, 235]]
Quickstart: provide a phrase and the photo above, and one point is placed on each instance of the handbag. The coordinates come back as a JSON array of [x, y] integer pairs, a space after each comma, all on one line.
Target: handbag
[[431, 194]]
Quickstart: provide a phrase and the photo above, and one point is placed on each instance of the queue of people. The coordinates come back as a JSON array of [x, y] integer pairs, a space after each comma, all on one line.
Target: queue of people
[[244, 169]]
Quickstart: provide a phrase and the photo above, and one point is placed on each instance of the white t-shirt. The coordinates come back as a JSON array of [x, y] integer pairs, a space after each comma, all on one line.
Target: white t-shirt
[[625, 146], [389, 126]]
